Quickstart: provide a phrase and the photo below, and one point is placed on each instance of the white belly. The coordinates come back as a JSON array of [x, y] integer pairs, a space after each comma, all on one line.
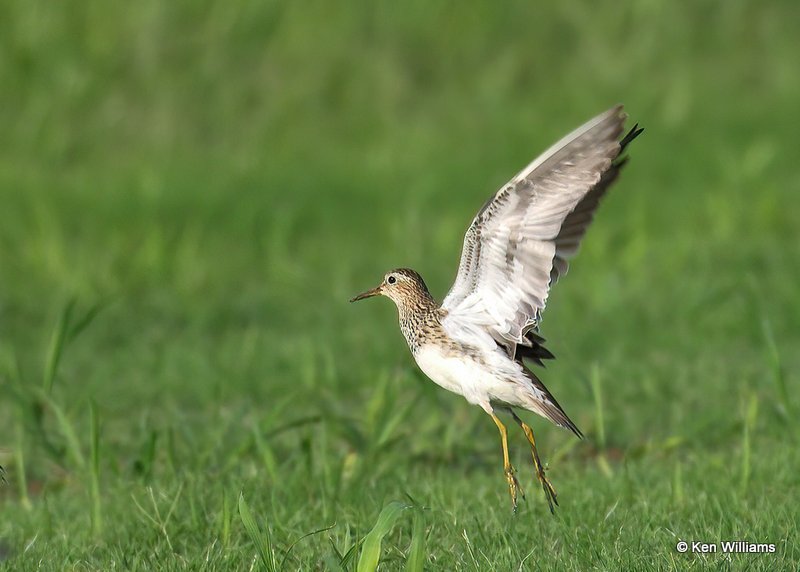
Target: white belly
[[459, 375]]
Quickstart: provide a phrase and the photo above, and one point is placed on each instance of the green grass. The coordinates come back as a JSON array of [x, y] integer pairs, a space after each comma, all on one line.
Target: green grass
[[192, 191]]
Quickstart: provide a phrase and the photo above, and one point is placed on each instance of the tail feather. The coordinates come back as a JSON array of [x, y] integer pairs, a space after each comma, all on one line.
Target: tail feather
[[549, 407], [535, 351]]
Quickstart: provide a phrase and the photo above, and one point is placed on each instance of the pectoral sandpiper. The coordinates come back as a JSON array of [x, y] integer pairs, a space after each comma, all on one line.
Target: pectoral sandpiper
[[516, 248]]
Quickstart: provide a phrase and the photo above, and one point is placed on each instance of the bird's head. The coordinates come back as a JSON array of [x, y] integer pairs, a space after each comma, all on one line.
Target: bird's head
[[402, 285]]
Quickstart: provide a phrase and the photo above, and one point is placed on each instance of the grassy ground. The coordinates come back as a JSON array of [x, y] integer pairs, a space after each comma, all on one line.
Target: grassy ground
[[192, 191]]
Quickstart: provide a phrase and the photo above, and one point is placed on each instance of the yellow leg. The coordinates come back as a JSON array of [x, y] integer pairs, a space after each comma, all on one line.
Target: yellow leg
[[549, 491], [513, 483]]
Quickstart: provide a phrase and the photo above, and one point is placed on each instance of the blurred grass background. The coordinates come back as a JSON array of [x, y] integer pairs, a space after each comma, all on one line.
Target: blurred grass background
[[208, 183]]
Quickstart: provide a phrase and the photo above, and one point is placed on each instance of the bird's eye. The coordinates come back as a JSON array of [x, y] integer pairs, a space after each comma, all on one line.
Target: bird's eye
[[391, 279]]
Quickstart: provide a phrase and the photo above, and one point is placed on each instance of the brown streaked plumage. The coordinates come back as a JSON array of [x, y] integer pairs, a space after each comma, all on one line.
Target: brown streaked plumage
[[516, 248]]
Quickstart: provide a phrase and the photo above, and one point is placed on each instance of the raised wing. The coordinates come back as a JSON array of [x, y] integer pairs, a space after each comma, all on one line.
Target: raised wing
[[520, 241]]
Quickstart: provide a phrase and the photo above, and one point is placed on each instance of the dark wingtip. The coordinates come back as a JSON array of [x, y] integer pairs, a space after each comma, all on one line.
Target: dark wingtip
[[632, 134], [535, 350], [574, 428], [567, 423]]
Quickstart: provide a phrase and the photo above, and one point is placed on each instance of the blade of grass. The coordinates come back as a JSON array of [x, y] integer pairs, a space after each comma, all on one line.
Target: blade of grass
[[19, 457], [750, 416], [563, 450], [144, 465], [262, 541], [594, 379], [332, 563], [350, 554], [336, 552], [30, 408], [470, 549], [677, 484], [371, 548], [47, 513], [600, 427], [94, 466], [265, 452], [306, 535], [392, 422], [416, 555], [56, 347], [225, 525], [172, 451], [67, 430], [65, 331], [75, 329], [778, 377], [159, 523]]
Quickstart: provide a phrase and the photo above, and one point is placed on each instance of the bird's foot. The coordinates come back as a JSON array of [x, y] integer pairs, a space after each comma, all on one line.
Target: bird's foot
[[549, 491], [514, 488]]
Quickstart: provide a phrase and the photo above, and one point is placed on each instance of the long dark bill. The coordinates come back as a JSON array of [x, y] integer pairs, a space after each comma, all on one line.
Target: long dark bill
[[367, 294]]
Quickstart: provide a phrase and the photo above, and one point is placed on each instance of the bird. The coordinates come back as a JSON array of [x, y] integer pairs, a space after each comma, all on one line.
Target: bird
[[477, 341]]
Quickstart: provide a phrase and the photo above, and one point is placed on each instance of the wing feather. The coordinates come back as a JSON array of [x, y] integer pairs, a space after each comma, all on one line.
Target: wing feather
[[519, 242]]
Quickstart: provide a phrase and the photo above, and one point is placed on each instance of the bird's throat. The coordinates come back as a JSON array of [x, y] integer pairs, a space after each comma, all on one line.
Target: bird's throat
[[419, 325]]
